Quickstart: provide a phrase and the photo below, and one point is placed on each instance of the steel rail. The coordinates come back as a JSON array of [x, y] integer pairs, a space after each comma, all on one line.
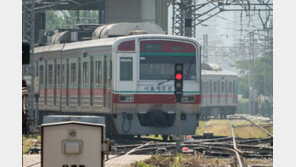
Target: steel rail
[[232, 151], [129, 152], [257, 125], [268, 139], [237, 151]]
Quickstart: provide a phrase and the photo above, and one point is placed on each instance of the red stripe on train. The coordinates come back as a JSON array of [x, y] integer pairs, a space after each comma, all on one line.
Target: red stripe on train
[[154, 99], [73, 92], [217, 96]]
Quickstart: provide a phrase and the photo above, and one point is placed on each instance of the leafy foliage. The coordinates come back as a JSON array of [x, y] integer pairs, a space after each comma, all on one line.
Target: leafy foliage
[[263, 76], [69, 18]]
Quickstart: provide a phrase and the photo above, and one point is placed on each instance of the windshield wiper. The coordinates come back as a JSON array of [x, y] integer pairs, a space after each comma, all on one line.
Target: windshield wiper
[[162, 82]]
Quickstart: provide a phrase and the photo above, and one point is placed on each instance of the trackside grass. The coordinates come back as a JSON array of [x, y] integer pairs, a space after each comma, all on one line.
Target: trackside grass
[[29, 141], [242, 128]]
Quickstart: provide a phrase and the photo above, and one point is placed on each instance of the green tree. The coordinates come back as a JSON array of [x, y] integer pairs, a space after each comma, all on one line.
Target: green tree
[[69, 18], [262, 75]]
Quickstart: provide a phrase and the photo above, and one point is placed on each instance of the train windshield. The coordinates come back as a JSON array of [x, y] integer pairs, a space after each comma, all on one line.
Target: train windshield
[[162, 67], [157, 60]]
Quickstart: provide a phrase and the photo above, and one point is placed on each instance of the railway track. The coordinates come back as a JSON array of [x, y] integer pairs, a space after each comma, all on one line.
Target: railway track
[[259, 126], [261, 150], [232, 146], [236, 150]]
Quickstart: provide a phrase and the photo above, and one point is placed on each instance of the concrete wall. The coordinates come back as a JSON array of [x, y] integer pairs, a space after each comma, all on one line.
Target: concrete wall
[[154, 11]]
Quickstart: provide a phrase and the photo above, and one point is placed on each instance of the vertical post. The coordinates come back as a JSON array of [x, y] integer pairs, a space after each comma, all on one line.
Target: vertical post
[[178, 93], [178, 135], [173, 18], [182, 11], [205, 48], [251, 79], [188, 18], [101, 11], [28, 14]]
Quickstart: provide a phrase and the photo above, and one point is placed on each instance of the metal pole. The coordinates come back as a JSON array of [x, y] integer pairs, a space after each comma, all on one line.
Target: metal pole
[[205, 48], [173, 19], [178, 128], [251, 79], [28, 14], [188, 18]]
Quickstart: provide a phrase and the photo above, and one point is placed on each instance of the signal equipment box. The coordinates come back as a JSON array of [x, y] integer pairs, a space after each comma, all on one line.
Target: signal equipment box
[[73, 144]]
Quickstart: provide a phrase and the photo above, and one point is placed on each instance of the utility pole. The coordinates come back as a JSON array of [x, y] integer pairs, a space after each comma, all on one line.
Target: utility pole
[[28, 33], [183, 20], [205, 48], [251, 75], [188, 19]]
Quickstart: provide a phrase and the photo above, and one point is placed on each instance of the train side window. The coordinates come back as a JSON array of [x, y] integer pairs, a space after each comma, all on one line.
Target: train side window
[[218, 87], [126, 68], [110, 66], [91, 71], [50, 74], [58, 71], [67, 75], [234, 86], [211, 87], [222, 87], [41, 75], [207, 87], [230, 87], [215, 87], [73, 74], [63, 74], [98, 72], [85, 71]]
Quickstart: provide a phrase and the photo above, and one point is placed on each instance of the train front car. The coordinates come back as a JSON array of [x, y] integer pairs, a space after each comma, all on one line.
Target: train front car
[[143, 89]]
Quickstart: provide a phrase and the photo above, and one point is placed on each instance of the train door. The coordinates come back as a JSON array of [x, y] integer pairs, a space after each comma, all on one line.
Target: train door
[[55, 83], [109, 82], [98, 87], [41, 83], [234, 91], [58, 86], [211, 91], [45, 83], [62, 85], [67, 82], [91, 82], [50, 83], [105, 81], [222, 92], [226, 91], [219, 93], [229, 91], [79, 82]]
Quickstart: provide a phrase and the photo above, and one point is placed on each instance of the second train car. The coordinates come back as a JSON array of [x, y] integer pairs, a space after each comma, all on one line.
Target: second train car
[[219, 92]]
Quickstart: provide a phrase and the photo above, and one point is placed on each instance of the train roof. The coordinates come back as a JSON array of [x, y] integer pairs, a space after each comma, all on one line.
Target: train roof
[[105, 42]]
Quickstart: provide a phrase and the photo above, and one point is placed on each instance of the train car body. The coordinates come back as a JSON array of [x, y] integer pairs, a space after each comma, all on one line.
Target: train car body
[[126, 79], [219, 92]]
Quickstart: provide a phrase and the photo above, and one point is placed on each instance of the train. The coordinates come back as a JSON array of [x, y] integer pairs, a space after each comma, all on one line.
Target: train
[[219, 92], [126, 77]]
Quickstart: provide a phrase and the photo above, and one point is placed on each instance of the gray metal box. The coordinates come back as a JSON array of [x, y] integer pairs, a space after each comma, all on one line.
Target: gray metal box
[[72, 143]]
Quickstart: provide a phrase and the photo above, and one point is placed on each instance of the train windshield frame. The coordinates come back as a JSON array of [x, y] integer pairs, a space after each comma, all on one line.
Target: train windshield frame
[[158, 59]]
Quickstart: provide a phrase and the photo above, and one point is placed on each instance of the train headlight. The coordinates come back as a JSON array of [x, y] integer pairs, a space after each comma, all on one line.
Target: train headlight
[[188, 99], [126, 98]]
